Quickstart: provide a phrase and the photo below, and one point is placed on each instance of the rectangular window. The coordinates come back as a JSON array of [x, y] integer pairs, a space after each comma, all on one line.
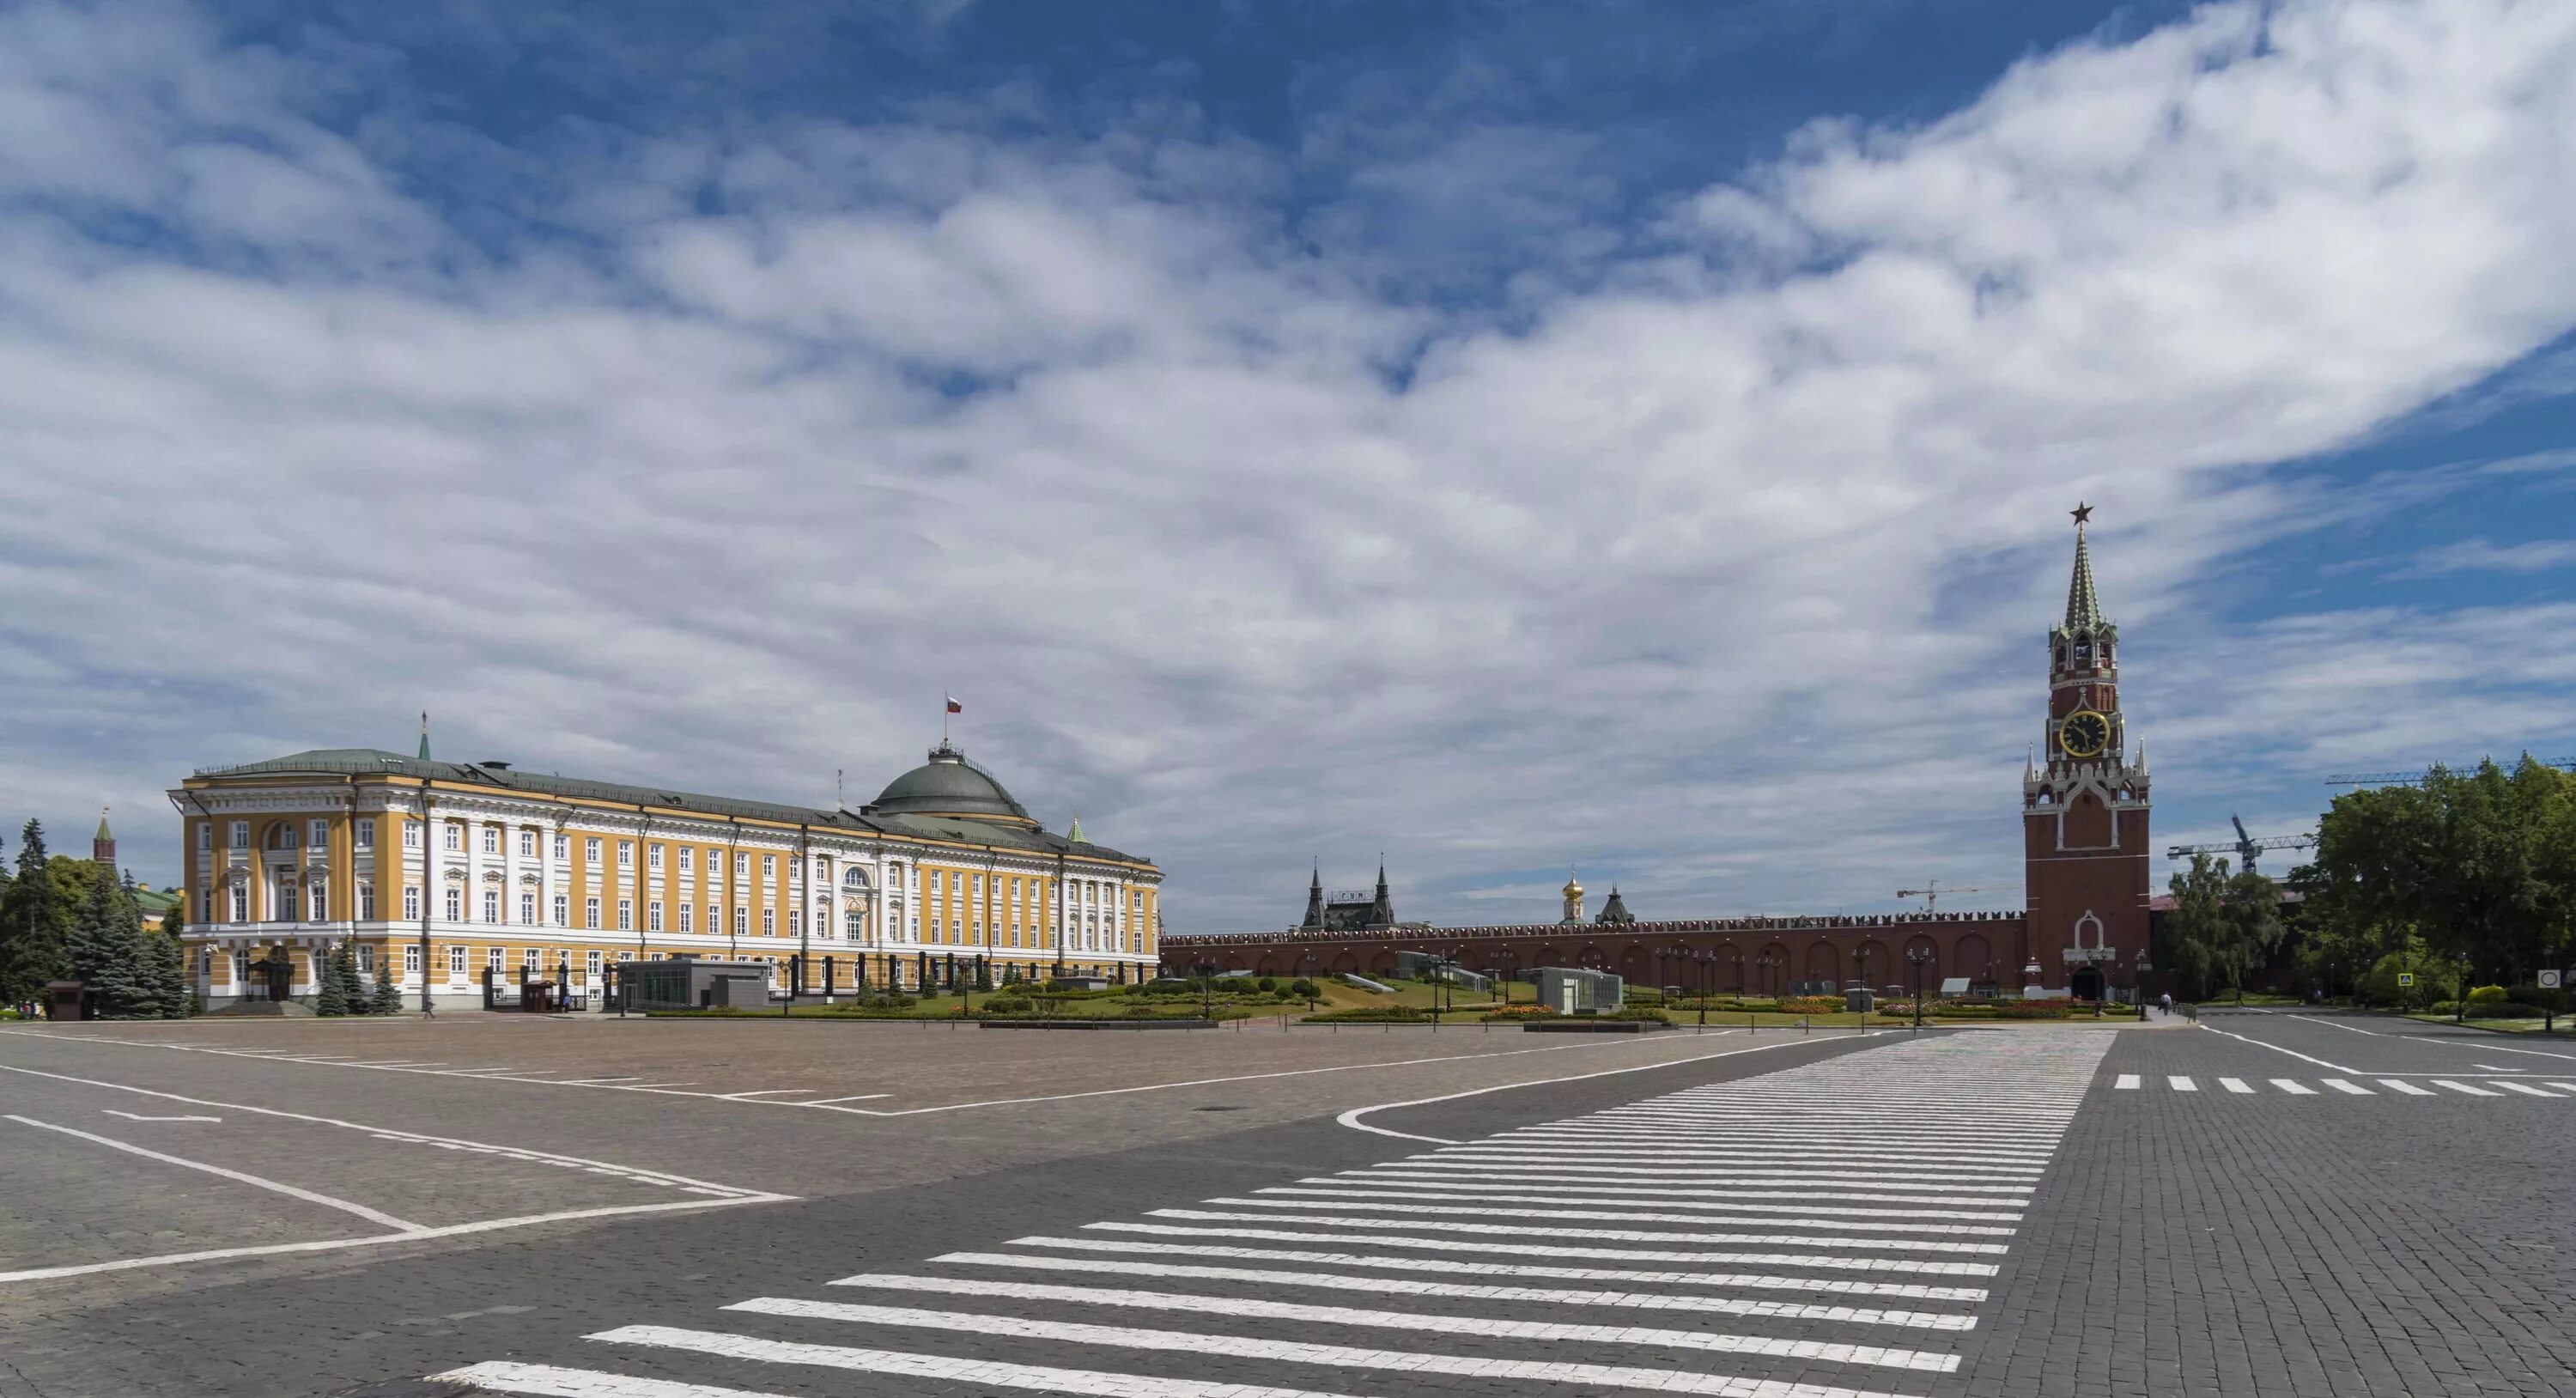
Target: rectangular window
[[491, 905], [741, 865], [241, 834], [527, 909], [411, 835], [454, 838], [493, 957], [590, 913], [625, 914], [527, 844], [411, 960], [205, 836], [590, 852], [366, 961], [688, 918], [563, 909], [366, 902], [688, 857], [411, 905], [769, 922], [205, 905], [491, 839], [590, 962], [653, 858], [455, 904], [563, 846], [529, 960], [626, 854], [321, 834], [653, 916], [366, 836], [769, 866], [456, 962], [822, 869]]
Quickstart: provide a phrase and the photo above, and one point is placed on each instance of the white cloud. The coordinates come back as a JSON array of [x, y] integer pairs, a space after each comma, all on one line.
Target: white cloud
[[2487, 556], [1725, 578]]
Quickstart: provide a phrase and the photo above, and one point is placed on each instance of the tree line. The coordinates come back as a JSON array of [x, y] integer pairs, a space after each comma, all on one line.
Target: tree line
[[73, 919]]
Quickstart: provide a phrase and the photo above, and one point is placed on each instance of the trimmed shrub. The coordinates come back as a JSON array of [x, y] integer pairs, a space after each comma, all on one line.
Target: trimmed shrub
[[2504, 1009]]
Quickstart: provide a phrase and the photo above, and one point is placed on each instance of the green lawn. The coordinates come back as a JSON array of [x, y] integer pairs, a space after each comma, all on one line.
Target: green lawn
[[2566, 1024]]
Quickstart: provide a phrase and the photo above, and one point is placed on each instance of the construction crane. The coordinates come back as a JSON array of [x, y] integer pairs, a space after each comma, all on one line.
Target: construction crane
[[2416, 777], [2246, 846], [1931, 895]]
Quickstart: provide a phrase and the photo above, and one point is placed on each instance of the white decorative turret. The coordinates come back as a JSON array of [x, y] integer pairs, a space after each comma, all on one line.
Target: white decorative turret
[[1573, 892]]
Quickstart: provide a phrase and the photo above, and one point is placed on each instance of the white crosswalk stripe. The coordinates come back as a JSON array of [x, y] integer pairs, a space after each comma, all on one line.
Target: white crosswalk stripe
[[2497, 1087], [1824, 1231]]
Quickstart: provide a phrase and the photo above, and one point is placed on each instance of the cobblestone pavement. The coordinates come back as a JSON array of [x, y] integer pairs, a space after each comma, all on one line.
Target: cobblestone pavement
[[1985, 1212]]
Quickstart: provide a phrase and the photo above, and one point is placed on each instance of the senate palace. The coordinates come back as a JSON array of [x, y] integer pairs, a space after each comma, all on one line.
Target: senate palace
[[2082, 930], [456, 868]]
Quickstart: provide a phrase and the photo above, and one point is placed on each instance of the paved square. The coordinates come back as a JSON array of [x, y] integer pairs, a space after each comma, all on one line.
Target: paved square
[[2334, 1205]]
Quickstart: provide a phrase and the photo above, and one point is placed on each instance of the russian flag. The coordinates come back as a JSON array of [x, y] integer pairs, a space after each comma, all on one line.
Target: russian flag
[[953, 706]]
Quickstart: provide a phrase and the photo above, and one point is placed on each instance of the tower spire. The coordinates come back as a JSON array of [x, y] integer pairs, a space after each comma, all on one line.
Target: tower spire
[[2083, 606], [424, 735]]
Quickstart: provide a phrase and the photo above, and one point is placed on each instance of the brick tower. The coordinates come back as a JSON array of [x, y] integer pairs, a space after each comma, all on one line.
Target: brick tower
[[2084, 808]]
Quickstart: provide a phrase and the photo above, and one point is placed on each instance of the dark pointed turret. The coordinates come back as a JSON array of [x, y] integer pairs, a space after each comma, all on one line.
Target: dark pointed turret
[[1616, 910], [1382, 912], [1315, 902], [102, 846], [424, 735], [2083, 604]]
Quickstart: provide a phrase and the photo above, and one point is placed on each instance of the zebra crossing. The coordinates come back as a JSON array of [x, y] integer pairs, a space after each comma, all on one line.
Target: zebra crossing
[[2357, 1085], [1828, 1231]]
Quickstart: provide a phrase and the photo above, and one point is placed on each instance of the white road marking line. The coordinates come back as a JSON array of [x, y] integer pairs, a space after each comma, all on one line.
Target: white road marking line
[[1670, 1199], [1594, 1182], [1490, 1226], [1403, 1286], [2568, 1086], [2182, 1084], [2294, 1087], [383, 1132], [2527, 1090], [1484, 1248], [763, 1092], [552, 1381], [131, 1116], [2234, 1085], [2276, 1048], [2348, 1088], [1352, 1117], [1480, 1266], [1735, 1216], [589, 1082], [1245, 1346], [921, 1111], [453, 1230], [2464, 1088], [861, 1097], [2410, 1089], [2126, 1082], [257, 1181]]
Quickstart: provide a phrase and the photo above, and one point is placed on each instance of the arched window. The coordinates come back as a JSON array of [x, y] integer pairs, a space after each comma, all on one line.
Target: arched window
[[854, 877]]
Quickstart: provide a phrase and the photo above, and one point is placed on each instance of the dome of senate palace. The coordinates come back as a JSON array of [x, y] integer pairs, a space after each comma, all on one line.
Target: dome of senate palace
[[949, 785]]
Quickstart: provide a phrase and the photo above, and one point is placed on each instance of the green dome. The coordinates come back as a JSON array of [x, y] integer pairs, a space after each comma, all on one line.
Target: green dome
[[948, 784]]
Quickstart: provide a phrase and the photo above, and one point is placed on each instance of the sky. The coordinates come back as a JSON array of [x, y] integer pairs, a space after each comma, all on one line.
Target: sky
[[1500, 437]]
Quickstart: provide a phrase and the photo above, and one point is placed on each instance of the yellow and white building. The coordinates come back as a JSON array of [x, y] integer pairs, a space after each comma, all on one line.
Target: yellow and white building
[[455, 867]]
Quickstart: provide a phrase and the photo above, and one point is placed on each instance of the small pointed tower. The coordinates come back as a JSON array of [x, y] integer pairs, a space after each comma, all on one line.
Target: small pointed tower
[[1615, 912], [1573, 894], [1073, 832], [1382, 910], [424, 735], [1315, 902], [102, 846]]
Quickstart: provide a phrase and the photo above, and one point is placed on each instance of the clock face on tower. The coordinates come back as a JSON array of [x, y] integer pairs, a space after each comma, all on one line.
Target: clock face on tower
[[2084, 734]]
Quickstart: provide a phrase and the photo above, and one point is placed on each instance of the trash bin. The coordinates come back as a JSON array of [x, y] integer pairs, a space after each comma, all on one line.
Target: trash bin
[[1859, 1001]]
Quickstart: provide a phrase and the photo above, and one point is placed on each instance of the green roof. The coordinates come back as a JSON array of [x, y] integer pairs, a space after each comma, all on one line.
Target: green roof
[[338, 762]]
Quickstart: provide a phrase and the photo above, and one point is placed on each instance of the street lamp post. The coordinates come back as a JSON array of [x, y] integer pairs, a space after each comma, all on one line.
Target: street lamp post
[[1920, 957], [1705, 958]]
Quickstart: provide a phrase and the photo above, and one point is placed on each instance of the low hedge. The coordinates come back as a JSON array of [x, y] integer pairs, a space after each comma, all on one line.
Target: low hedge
[[1373, 1014]]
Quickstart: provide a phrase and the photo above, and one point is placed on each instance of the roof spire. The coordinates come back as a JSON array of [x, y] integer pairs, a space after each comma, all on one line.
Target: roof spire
[[1073, 833], [424, 735], [102, 825], [2083, 608]]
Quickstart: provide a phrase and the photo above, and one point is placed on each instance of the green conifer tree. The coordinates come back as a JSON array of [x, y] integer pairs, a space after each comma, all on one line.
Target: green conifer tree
[[178, 999], [386, 999], [353, 986], [331, 993], [106, 952], [35, 922]]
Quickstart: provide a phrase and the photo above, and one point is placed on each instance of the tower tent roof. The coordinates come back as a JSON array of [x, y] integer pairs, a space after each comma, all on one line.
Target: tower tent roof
[[2083, 605]]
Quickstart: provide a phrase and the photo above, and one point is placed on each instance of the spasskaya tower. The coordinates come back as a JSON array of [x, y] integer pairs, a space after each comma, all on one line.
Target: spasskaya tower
[[2084, 807]]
